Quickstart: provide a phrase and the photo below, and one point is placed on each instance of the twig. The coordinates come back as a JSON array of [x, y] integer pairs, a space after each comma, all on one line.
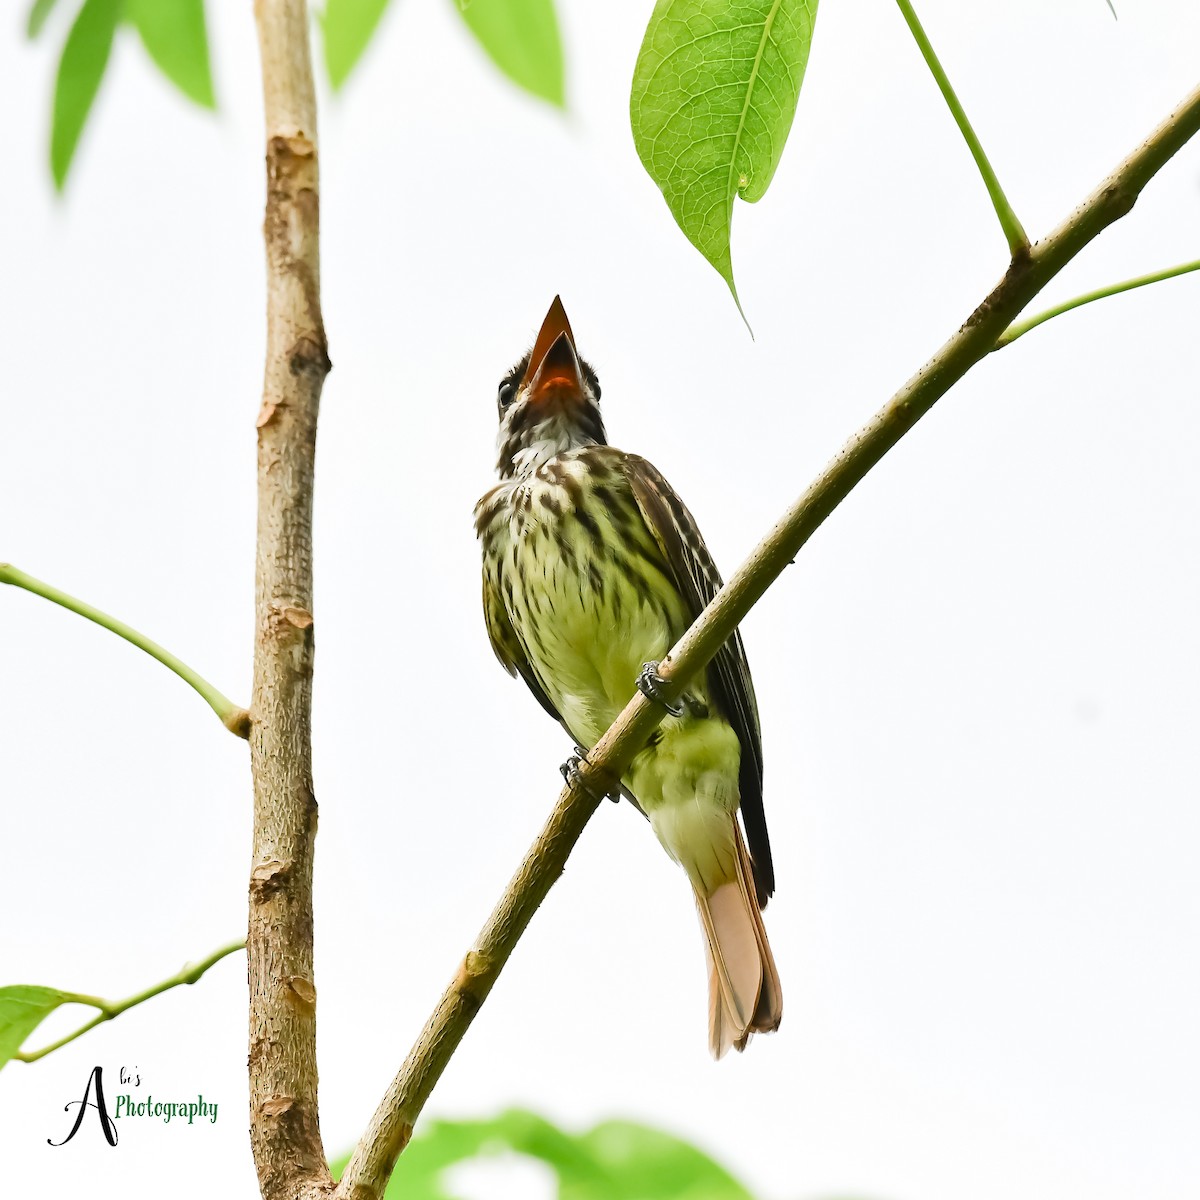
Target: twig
[[114, 1008], [1018, 243], [392, 1124], [284, 1132], [235, 718], [1020, 328]]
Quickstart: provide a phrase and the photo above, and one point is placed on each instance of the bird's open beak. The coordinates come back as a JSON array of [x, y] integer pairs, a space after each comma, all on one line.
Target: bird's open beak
[[554, 371]]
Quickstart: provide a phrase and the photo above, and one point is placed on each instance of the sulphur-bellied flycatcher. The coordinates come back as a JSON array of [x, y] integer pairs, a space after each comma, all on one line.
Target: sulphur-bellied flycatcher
[[592, 570]]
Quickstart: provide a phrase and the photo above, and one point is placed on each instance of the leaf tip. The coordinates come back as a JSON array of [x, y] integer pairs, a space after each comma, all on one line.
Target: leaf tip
[[742, 311]]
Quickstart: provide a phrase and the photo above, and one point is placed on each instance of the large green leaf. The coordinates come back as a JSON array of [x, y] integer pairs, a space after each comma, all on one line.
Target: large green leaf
[[522, 39], [714, 94], [347, 26], [174, 35], [23, 1007], [619, 1160], [80, 70]]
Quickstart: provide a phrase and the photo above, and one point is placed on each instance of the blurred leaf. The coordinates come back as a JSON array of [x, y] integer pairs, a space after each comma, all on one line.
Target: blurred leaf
[[347, 27], [714, 93], [80, 70], [521, 37], [618, 1160], [38, 12], [23, 1007], [174, 35], [644, 1161]]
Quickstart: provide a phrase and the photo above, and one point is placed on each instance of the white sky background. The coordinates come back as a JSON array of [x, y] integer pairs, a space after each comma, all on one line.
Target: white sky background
[[978, 683]]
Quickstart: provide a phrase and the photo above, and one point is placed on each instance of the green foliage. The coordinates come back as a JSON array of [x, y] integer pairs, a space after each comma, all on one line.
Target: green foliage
[[80, 70], [23, 1007], [346, 27], [714, 93], [37, 16], [521, 37], [617, 1160], [174, 35]]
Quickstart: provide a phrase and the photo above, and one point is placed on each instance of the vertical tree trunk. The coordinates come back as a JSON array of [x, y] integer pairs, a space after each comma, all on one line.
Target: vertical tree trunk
[[285, 1133]]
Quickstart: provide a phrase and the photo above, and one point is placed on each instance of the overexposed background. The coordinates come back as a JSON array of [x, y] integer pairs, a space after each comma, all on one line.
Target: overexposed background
[[978, 683]]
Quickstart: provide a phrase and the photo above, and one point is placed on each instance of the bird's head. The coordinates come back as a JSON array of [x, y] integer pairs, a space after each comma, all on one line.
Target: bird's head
[[549, 402]]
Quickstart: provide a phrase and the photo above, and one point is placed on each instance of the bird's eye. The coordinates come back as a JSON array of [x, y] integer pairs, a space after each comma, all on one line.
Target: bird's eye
[[507, 393]]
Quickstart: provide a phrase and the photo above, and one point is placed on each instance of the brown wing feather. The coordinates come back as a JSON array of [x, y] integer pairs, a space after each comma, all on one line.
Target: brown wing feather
[[729, 682]]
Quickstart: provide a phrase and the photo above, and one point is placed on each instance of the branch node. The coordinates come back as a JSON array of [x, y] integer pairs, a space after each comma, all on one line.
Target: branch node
[[238, 722], [276, 1106], [267, 878], [301, 618], [308, 356], [302, 994], [472, 981]]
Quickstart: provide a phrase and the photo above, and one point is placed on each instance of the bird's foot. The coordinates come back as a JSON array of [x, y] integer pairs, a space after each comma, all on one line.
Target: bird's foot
[[651, 683], [570, 771]]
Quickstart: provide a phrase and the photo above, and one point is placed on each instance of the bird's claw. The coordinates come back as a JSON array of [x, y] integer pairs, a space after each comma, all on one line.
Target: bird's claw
[[571, 773], [570, 769], [650, 683]]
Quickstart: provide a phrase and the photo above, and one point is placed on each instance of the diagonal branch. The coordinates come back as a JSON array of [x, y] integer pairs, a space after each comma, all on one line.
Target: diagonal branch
[[391, 1126], [235, 718], [284, 1131]]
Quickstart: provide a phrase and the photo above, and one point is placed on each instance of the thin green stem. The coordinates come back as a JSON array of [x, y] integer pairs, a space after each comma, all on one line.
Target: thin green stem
[[114, 1008], [1018, 243], [1018, 328], [235, 718]]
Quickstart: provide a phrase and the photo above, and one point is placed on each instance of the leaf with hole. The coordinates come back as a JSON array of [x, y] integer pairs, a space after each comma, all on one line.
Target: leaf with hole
[[714, 93]]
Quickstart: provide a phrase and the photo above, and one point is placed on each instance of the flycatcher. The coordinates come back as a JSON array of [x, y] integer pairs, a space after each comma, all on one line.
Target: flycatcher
[[592, 569]]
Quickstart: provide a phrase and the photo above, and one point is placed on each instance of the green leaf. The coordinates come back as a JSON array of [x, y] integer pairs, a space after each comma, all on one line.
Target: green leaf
[[347, 27], [38, 12], [521, 37], [645, 1161], [714, 93], [174, 35], [23, 1007], [616, 1159], [80, 70]]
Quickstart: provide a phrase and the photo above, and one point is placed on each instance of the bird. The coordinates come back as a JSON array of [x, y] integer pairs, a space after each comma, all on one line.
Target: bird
[[592, 569]]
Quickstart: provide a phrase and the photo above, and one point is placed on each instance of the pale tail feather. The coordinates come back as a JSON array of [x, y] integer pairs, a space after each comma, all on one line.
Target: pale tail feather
[[743, 984]]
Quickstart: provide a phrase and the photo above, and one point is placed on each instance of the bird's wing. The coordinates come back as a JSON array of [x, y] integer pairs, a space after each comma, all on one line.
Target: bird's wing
[[698, 580], [508, 646]]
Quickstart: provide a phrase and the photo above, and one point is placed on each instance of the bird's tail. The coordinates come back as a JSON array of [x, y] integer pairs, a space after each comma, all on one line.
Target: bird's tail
[[744, 996]]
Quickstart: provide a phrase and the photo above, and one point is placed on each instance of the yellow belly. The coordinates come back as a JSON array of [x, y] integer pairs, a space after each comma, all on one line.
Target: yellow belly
[[587, 626]]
